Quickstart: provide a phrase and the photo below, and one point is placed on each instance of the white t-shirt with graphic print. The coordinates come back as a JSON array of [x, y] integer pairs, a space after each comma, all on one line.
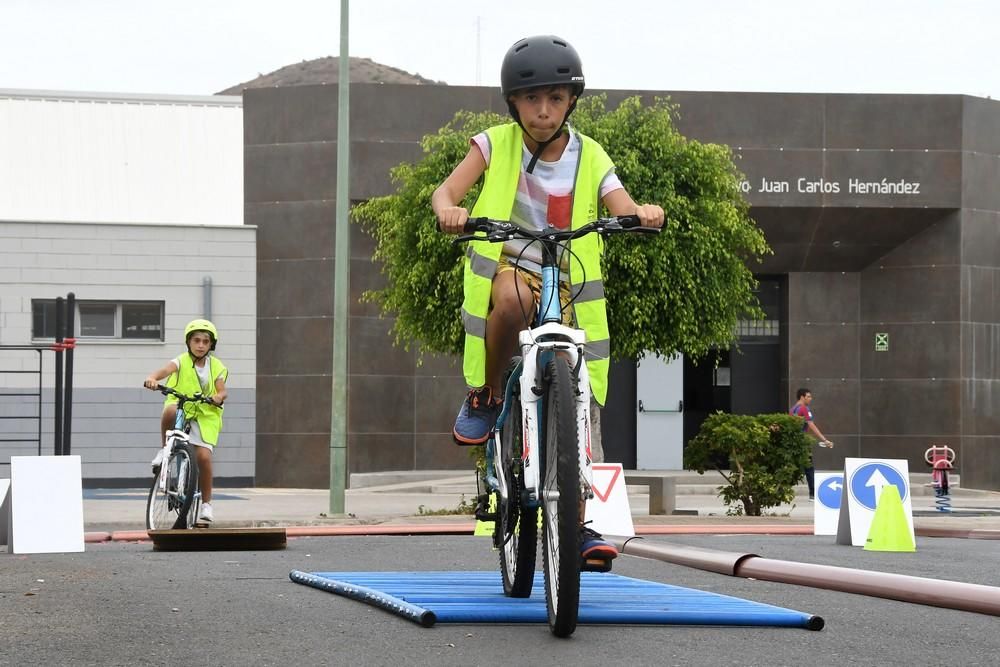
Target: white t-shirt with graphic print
[[544, 197]]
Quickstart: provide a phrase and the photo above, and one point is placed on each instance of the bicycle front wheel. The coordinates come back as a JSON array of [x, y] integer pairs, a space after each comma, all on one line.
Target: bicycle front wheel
[[561, 501], [169, 506], [516, 532]]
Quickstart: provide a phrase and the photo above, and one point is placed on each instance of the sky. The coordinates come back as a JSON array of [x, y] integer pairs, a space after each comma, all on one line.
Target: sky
[[199, 47]]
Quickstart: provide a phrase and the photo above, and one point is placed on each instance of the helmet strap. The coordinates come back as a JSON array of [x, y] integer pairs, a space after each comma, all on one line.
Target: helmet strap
[[544, 144]]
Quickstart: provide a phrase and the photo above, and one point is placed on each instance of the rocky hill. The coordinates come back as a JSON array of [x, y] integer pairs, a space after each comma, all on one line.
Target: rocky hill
[[327, 70]]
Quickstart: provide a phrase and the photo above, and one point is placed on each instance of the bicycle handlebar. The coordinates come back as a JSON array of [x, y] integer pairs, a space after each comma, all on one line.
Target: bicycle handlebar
[[184, 398], [498, 231]]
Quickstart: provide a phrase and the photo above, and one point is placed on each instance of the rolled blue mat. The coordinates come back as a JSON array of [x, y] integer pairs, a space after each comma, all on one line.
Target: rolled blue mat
[[411, 612], [477, 597]]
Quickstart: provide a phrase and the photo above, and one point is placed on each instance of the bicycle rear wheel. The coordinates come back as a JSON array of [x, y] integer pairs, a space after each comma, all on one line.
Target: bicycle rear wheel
[[170, 507], [516, 533], [561, 501]]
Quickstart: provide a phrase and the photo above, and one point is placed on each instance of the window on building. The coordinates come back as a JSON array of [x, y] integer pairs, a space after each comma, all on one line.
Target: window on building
[[43, 319], [128, 320]]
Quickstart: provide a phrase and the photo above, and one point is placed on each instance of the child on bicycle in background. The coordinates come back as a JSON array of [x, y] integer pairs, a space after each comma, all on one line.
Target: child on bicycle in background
[[197, 371], [538, 172]]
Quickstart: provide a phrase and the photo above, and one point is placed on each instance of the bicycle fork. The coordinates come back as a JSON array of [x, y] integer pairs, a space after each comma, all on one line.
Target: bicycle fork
[[535, 355]]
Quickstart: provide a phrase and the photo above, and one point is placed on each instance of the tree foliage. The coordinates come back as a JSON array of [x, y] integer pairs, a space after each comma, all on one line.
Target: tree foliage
[[682, 291], [761, 457]]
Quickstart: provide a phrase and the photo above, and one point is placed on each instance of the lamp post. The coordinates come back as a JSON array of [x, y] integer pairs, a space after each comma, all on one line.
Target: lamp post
[[341, 277]]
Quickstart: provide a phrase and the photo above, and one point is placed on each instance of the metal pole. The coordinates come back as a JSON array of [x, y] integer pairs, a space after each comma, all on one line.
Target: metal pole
[[341, 277], [206, 297], [40, 370], [58, 347], [68, 385]]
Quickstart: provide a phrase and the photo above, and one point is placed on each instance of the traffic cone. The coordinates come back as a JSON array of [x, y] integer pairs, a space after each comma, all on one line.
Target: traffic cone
[[889, 530]]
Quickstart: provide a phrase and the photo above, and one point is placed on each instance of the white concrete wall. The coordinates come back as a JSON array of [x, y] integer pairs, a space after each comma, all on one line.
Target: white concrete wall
[[121, 158], [115, 421]]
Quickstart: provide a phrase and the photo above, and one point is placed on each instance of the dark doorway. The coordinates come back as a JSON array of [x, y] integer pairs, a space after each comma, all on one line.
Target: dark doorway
[[618, 430], [747, 379], [757, 362], [706, 390], [756, 379]]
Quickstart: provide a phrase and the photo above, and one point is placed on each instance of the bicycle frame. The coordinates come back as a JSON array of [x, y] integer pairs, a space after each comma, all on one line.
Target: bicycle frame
[[538, 345]]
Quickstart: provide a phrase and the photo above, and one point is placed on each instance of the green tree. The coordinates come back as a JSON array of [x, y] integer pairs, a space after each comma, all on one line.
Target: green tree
[[761, 457], [682, 291]]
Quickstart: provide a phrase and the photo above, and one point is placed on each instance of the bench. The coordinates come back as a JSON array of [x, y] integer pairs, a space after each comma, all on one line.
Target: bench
[[662, 488]]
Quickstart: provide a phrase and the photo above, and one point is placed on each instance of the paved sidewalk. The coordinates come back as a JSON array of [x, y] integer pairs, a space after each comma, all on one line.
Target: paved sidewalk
[[408, 498]]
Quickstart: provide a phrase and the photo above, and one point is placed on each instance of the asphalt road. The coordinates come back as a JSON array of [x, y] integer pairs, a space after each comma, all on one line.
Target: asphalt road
[[124, 604]]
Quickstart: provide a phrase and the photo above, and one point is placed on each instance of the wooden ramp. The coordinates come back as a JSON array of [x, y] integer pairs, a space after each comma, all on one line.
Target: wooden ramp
[[219, 539]]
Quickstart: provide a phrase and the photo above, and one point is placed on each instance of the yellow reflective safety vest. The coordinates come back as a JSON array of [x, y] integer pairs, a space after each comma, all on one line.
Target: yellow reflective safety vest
[[497, 201], [185, 380]]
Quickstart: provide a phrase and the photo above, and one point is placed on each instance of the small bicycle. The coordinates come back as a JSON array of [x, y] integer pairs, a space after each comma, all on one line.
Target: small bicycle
[[175, 495], [539, 453]]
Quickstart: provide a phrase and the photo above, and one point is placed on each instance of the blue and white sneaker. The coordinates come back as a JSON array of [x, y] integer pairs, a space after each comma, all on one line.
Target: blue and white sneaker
[[477, 417]]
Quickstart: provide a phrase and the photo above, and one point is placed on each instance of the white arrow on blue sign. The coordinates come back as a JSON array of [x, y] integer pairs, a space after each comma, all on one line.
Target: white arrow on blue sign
[[868, 481], [829, 492]]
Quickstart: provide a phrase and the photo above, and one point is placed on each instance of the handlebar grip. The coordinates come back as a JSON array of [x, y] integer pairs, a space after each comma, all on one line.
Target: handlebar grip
[[629, 221], [471, 225]]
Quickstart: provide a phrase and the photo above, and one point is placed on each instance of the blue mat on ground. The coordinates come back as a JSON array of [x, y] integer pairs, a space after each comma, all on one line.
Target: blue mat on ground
[[477, 597]]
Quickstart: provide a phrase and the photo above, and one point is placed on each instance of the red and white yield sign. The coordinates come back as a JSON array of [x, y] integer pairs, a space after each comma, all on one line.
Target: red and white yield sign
[[609, 510]]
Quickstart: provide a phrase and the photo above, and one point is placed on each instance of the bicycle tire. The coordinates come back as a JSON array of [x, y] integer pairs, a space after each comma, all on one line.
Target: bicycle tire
[[561, 526], [169, 508], [516, 532]]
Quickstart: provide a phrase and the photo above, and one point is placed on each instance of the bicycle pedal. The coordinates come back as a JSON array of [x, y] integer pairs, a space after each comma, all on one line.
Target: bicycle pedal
[[595, 565], [482, 512]]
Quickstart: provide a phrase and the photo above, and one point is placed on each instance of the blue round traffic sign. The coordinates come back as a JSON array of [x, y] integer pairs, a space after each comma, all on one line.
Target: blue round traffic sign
[[830, 490], [869, 479]]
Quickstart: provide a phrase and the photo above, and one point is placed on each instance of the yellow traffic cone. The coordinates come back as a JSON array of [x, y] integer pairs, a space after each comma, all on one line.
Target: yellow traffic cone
[[889, 530]]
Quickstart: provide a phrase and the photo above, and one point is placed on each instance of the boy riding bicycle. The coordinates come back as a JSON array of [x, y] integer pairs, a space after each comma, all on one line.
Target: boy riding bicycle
[[197, 371], [538, 172]]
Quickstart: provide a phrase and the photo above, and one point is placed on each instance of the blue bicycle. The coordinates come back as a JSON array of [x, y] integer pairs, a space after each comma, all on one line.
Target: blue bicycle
[[539, 454]]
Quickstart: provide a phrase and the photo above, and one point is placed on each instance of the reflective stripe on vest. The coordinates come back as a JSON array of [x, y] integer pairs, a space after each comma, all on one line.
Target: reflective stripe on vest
[[496, 201]]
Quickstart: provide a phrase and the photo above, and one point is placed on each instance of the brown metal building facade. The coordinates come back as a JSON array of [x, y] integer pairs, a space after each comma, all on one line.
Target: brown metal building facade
[[883, 212]]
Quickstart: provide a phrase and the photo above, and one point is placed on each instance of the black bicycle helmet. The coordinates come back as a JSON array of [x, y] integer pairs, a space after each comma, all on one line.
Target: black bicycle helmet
[[543, 60]]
